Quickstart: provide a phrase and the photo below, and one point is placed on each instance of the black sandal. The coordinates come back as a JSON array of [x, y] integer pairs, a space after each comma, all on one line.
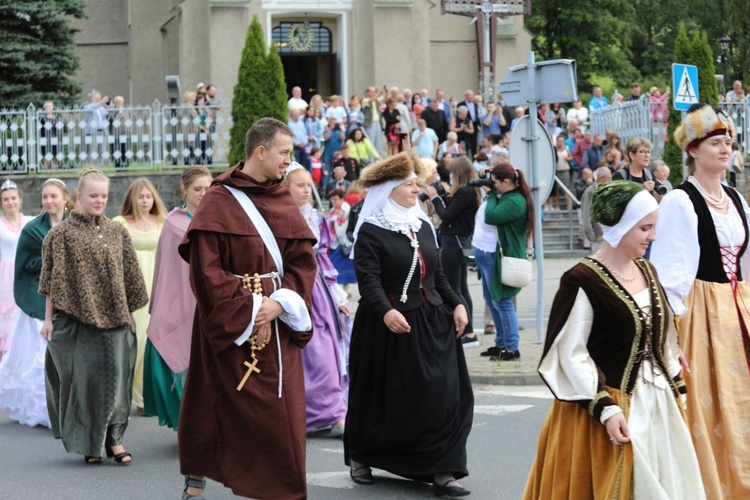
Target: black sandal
[[91, 460], [191, 482], [120, 457]]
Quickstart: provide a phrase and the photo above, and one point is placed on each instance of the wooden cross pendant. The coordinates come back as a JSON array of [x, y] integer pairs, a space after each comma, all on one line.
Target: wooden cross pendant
[[251, 367]]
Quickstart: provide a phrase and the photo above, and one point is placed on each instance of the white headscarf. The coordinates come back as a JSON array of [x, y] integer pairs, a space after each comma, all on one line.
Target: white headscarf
[[638, 207], [399, 218]]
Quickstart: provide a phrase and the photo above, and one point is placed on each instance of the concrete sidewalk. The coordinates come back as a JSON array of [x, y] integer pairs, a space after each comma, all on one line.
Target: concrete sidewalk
[[522, 371]]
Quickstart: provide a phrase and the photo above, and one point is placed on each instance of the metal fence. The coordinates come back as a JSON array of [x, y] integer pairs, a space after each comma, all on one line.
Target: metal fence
[[155, 137], [646, 119]]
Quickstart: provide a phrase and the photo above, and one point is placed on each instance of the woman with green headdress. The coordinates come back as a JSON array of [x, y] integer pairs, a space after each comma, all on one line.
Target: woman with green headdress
[[611, 359]]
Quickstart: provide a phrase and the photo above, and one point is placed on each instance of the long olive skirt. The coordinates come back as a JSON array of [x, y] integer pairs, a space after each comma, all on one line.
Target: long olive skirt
[[89, 382]]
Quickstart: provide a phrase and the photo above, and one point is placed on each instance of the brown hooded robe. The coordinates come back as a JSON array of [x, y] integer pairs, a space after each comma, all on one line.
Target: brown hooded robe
[[250, 440]]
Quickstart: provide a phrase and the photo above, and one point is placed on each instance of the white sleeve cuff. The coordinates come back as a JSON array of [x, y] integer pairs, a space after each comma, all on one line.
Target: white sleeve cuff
[[257, 301], [609, 412], [295, 312], [338, 295]]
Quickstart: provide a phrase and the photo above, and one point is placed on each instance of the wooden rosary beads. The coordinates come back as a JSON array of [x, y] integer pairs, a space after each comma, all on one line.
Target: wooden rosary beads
[[257, 289]]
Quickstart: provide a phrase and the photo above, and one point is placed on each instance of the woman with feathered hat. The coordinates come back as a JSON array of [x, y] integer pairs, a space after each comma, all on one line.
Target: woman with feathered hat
[[610, 358], [700, 256], [410, 397]]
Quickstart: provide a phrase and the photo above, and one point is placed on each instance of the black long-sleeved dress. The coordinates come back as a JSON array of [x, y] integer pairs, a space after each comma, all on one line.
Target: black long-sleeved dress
[[410, 398]]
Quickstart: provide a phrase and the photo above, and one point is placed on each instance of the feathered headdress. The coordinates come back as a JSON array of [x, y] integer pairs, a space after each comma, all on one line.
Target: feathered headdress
[[701, 122]]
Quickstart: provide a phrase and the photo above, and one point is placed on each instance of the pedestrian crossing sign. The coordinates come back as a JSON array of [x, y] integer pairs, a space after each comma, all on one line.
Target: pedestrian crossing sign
[[684, 86]]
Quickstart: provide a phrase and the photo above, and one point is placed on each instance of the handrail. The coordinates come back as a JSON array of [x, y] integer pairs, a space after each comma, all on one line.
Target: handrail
[[574, 201], [565, 188]]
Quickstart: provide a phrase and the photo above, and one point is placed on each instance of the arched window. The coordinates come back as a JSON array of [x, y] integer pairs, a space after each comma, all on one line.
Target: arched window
[[301, 38]]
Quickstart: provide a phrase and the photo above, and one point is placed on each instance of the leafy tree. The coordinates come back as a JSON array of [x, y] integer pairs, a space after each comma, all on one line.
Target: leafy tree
[[596, 34], [672, 152], [260, 90], [655, 28], [38, 55]]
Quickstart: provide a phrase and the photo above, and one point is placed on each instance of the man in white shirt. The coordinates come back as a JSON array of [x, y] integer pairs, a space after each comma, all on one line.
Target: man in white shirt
[[296, 101], [736, 94], [425, 141]]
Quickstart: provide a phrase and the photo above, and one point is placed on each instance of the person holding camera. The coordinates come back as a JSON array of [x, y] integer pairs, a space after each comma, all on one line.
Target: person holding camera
[[457, 210], [638, 156], [512, 212], [462, 125]]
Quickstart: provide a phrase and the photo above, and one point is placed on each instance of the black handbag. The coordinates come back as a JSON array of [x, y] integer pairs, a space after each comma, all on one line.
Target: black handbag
[[466, 249]]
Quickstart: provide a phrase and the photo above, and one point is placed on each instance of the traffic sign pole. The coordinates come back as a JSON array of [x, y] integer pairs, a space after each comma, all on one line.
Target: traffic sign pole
[[536, 195]]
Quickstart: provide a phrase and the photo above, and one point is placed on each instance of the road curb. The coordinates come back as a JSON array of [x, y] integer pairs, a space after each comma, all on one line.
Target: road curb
[[531, 378]]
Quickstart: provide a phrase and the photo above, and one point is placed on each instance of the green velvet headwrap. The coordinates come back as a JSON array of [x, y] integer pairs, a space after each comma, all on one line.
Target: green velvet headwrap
[[611, 199]]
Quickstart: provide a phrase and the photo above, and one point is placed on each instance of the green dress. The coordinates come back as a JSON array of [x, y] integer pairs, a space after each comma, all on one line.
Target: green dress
[[163, 388]]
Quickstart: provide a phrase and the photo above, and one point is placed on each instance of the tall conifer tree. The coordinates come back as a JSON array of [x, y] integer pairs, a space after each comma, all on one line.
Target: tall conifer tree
[[672, 152], [260, 90], [38, 59]]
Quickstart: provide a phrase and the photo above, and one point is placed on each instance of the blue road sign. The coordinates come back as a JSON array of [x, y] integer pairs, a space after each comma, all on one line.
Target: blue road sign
[[684, 86]]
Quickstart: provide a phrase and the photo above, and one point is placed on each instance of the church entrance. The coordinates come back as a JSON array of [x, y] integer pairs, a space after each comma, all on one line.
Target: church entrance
[[306, 53], [314, 74]]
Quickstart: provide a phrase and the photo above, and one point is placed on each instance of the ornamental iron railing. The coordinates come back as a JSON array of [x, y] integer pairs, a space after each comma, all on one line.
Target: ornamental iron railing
[[142, 138]]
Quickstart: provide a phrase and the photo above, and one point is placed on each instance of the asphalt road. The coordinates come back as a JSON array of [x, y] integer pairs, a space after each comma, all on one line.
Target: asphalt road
[[501, 449]]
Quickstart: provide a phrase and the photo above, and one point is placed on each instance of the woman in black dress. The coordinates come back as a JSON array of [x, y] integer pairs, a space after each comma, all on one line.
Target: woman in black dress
[[410, 398]]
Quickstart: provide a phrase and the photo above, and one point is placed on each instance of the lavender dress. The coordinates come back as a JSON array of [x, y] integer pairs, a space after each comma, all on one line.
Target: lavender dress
[[325, 358]]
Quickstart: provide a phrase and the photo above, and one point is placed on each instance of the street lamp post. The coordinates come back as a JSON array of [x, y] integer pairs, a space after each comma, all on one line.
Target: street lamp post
[[724, 43]]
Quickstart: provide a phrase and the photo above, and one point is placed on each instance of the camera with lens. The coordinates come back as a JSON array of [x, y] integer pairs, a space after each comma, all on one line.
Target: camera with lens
[[659, 188], [438, 187], [485, 180]]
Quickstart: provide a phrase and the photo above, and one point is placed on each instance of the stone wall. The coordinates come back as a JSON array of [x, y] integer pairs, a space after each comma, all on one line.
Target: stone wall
[[166, 183]]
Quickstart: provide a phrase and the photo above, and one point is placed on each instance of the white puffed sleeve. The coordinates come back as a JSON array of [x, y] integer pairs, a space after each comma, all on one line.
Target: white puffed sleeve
[[676, 251], [567, 368]]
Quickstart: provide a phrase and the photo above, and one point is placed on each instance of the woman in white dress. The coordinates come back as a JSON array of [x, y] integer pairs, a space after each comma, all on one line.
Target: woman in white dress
[[22, 389], [11, 223], [611, 359], [701, 257]]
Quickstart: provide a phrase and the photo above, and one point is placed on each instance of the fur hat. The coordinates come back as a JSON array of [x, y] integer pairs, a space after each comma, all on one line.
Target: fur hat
[[396, 167], [701, 122]]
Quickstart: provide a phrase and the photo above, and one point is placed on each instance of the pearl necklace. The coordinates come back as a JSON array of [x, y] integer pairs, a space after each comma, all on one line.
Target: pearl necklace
[[617, 275], [414, 260], [720, 202]]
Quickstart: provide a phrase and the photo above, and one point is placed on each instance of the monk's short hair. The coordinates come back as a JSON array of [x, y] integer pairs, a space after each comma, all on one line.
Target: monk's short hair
[[263, 133]]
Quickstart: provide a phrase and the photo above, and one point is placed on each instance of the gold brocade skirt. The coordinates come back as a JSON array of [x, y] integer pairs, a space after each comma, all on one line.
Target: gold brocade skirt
[[575, 459], [718, 413]]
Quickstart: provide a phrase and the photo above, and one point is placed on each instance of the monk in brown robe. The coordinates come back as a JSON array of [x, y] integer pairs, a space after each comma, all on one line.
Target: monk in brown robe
[[248, 434]]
